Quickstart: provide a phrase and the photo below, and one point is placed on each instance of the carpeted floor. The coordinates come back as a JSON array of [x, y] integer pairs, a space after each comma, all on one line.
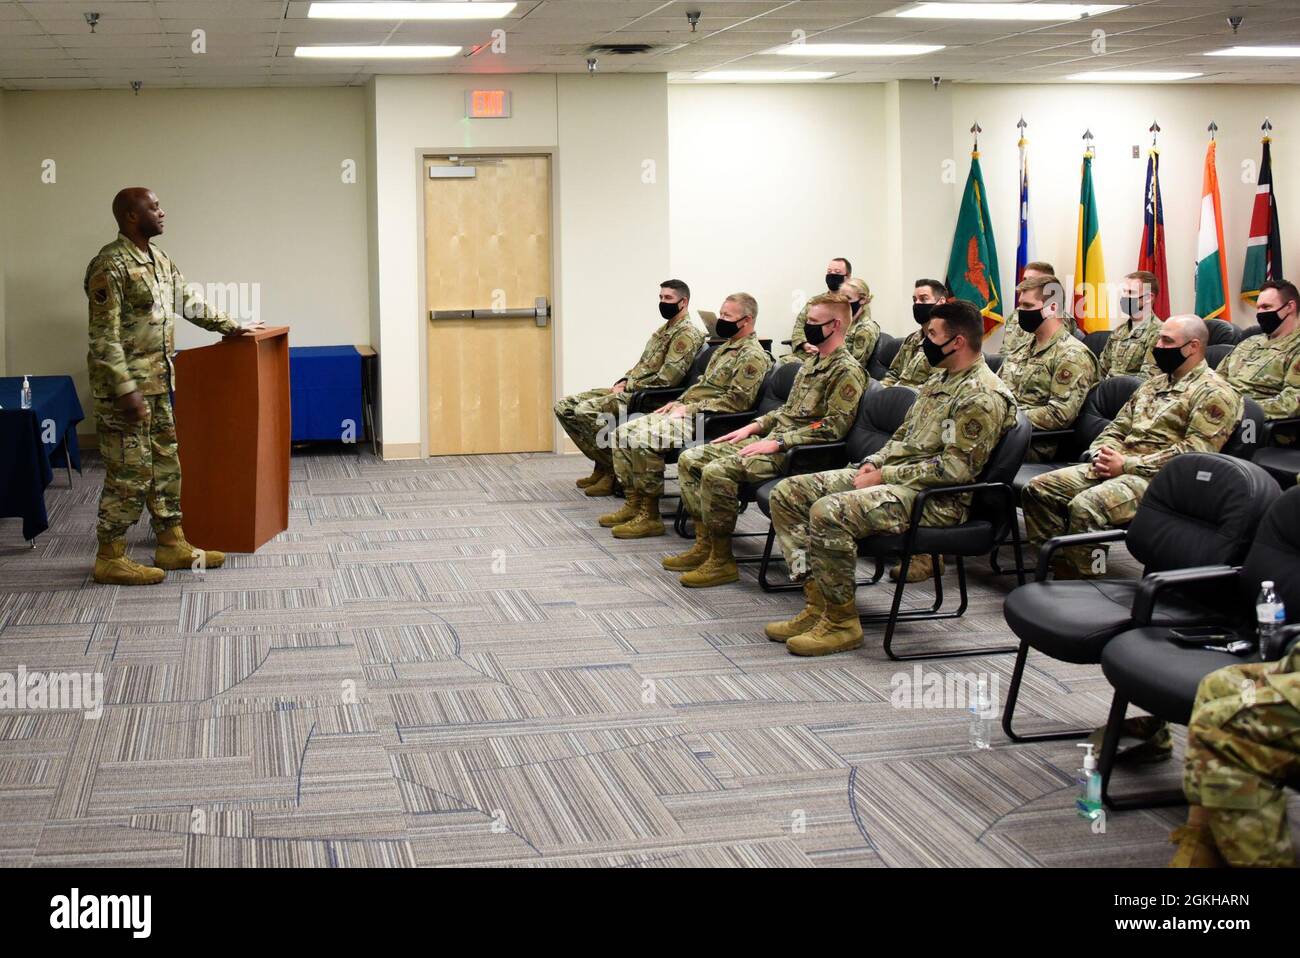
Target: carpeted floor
[[448, 663]]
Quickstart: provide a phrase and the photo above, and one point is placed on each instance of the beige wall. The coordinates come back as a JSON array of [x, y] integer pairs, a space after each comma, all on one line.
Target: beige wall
[[252, 184], [770, 182], [611, 228]]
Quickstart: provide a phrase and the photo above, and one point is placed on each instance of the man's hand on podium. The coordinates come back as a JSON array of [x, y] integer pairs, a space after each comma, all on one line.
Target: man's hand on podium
[[250, 327]]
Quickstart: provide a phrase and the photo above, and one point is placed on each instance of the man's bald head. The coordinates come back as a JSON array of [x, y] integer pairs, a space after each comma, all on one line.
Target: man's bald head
[[1191, 327], [138, 213]]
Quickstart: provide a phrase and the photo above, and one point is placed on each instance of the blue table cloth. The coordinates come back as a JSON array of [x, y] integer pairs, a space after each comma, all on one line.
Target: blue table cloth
[[325, 392], [32, 442]]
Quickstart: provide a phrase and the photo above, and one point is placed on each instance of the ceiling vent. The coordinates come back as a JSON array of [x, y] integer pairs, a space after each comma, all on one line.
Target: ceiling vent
[[620, 49]]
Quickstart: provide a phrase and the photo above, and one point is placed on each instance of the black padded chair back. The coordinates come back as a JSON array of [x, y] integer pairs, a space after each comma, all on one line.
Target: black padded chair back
[[993, 361], [696, 372], [776, 386], [880, 413], [1275, 555], [1005, 460], [1246, 439], [1201, 509], [886, 349], [1250, 331], [1100, 407], [1217, 353], [1222, 331], [1097, 341]]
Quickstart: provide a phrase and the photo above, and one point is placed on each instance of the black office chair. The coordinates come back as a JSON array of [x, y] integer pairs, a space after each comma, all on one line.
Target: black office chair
[[1222, 332], [880, 414], [1282, 464], [1099, 409], [1097, 341], [993, 361], [771, 395], [1217, 353], [652, 397], [1159, 677], [1250, 331], [1251, 432], [886, 349], [1200, 509], [991, 518]]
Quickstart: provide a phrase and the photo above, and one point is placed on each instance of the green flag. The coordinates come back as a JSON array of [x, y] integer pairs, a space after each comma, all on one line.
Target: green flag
[[973, 263]]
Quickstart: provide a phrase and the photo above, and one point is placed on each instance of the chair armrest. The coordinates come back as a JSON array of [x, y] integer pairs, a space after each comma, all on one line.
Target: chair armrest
[[787, 342], [1272, 425], [1144, 603], [652, 397], [1051, 546], [1290, 635], [922, 497], [815, 457], [720, 423]]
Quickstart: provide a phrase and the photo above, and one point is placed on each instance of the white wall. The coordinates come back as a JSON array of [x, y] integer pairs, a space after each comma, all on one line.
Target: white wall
[[252, 184], [769, 182], [1119, 116], [612, 238]]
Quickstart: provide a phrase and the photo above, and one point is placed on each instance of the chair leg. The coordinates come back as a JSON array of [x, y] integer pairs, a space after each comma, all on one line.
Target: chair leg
[[764, 583], [1013, 694], [1106, 765], [898, 614]]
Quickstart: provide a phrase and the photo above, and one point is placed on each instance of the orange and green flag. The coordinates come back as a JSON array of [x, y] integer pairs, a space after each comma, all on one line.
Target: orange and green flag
[[1211, 265], [973, 263], [1091, 310]]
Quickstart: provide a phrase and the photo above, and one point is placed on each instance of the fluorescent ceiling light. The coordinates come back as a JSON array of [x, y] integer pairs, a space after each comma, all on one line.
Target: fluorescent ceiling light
[[1008, 11], [1256, 52], [760, 76], [855, 49], [1130, 76], [410, 10], [397, 52]]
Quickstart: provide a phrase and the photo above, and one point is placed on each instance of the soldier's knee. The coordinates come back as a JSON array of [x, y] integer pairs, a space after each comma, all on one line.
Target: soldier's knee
[[822, 516]]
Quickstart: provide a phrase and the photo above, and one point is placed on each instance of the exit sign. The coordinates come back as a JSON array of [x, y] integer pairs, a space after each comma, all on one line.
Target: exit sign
[[487, 104]]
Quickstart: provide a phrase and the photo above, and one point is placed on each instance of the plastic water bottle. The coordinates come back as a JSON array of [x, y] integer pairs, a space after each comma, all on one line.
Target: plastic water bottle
[[1088, 804], [1270, 617], [980, 710], [27, 394]]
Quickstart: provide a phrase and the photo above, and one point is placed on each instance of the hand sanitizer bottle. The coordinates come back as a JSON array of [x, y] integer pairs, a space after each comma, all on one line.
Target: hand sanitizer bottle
[[1089, 801], [27, 394], [980, 709]]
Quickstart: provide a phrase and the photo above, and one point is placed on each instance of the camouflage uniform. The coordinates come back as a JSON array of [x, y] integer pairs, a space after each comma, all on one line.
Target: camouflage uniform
[[132, 297], [910, 367], [1015, 339], [1243, 751], [1128, 350], [1050, 383], [666, 360], [822, 405], [1162, 419], [946, 439], [729, 384], [1267, 370], [860, 339]]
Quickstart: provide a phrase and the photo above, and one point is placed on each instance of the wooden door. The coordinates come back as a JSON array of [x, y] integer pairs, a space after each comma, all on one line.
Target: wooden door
[[487, 247]]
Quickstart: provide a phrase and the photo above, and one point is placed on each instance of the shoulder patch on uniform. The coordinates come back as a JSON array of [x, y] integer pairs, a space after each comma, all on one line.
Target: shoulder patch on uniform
[[751, 370], [1215, 412], [679, 346], [1064, 375], [973, 429], [847, 391]]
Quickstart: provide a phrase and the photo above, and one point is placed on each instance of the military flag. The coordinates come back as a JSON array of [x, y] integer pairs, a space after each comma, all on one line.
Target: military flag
[[1151, 254], [1264, 248], [1091, 309], [1211, 265], [973, 263]]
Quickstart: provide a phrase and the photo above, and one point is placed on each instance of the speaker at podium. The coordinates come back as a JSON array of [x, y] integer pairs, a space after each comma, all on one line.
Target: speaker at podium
[[233, 429]]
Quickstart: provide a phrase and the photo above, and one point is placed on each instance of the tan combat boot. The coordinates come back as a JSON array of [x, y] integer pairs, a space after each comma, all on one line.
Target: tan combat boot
[[814, 606], [838, 630], [624, 513], [114, 567], [604, 486], [695, 556], [1196, 848], [585, 481], [648, 522], [918, 570], [173, 552], [718, 570]]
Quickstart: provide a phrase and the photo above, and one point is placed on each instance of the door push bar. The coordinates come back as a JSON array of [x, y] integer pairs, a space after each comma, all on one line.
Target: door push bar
[[541, 312]]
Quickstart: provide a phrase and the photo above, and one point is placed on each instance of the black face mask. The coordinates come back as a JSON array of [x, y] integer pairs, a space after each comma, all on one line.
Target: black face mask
[[856, 307], [1268, 320], [834, 281], [1131, 305], [934, 351], [921, 312], [669, 310], [726, 328], [1168, 358], [1029, 319], [816, 334]]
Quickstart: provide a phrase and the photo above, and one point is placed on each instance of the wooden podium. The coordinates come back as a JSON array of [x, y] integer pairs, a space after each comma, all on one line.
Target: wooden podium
[[232, 423]]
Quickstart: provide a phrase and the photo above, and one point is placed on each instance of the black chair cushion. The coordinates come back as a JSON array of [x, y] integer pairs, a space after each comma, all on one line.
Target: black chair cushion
[[1222, 332], [1032, 470], [1100, 407], [880, 413], [1217, 353], [1158, 676], [1275, 555], [1250, 331], [1073, 620], [1282, 464], [886, 349], [1252, 424], [1201, 509], [967, 539], [993, 361], [1097, 341]]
